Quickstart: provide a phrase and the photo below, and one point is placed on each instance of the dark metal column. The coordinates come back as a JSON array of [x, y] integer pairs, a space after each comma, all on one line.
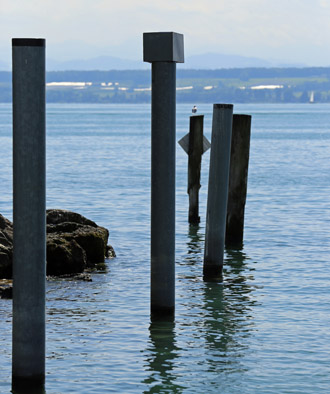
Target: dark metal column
[[163, 50], [29, 185]]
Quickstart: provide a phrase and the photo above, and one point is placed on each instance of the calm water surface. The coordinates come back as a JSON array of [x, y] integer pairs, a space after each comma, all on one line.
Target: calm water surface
[[265, 329]]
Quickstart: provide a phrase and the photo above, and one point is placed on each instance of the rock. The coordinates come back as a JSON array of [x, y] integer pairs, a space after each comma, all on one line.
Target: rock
[[83, 276], [60, 216], [6, 259], [110, 252], [64, 256], [74, 243], [6, 292], [6, 247], [6, 289]]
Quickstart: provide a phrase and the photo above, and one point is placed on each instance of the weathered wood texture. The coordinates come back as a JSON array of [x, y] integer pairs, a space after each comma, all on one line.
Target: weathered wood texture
[[217, 192], [238, 178], [195, 153]]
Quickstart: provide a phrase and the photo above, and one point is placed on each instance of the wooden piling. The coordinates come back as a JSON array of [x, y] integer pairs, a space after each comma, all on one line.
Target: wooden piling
[[217, 192], [238, 177], [194, 166]]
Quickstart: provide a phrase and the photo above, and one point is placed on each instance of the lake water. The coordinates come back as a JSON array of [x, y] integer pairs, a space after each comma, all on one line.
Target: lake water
[[265, 329]]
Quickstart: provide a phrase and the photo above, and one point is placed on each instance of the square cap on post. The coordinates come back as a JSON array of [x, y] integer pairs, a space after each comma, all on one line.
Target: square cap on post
[[163, 47]]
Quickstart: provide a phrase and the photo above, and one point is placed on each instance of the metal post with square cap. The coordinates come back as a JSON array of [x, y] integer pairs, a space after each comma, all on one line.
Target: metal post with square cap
[[29, 213], [163, 50]]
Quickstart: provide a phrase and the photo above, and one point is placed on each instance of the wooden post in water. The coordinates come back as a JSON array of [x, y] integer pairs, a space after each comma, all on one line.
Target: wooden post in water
[[194, 144], [217, 191], [238, 177], [29, 213], [163, 51], [194, 166]]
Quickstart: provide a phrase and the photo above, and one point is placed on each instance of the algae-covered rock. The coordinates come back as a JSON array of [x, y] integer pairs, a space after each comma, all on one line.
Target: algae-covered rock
[[6, 260], [6, 290], [74, 243], [6, 247], [64, 256], [60, 216]]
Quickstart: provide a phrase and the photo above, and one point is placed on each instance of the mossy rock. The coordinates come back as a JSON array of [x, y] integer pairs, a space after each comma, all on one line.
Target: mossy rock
[[64, 256], [6, 262], [74, 243], [94, 242], [74, 233], [59, 216]]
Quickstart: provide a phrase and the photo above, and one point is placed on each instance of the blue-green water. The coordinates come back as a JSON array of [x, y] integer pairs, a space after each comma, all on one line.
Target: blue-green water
[[265, 329]]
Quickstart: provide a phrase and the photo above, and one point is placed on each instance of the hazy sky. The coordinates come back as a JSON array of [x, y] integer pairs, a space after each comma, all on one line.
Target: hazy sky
[[295, 31]]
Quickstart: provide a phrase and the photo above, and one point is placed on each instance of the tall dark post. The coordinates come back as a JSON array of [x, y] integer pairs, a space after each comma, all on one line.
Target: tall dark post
[[29, 212], [194, 166], [163, 51], [238, 177], [217, 191], [194, 144]]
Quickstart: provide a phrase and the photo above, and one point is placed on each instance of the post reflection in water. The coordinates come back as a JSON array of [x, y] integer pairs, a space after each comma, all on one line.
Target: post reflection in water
[[222, 313], [162, 353], [195, 242], [228, 320], [213, 322]]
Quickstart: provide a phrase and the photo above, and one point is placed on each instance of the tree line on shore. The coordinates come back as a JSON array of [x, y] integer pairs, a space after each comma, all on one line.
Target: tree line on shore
[[245, 85]]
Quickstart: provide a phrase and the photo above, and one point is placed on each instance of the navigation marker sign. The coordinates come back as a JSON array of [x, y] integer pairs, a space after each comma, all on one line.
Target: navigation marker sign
[[184, 143]]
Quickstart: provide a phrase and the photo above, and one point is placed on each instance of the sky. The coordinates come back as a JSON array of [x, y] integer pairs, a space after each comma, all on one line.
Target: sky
[[292, 31]]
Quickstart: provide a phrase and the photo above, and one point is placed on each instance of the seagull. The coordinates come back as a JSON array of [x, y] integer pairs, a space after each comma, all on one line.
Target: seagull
[[194, 110]]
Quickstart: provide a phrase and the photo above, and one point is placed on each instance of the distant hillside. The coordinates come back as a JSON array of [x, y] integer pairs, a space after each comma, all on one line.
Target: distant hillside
[[137, 77], [240, 85], [143, 76]]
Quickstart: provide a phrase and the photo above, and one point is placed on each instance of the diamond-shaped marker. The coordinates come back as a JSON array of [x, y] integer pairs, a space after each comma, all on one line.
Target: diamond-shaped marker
[[184, 143]]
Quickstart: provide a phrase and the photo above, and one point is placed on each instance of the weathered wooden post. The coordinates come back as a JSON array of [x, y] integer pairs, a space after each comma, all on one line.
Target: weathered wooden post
[[238, 177], [217, 191], [194, 144], [29, 212], [163, 51]]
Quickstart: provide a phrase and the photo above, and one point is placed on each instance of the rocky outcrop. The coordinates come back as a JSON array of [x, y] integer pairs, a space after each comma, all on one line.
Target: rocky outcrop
[[6, 290], [74, 243], [6, 247]]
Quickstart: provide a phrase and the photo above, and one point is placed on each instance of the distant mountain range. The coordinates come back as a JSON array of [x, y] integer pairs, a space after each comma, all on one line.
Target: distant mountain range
[[102, 63], [217, 60], [203, 61]]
